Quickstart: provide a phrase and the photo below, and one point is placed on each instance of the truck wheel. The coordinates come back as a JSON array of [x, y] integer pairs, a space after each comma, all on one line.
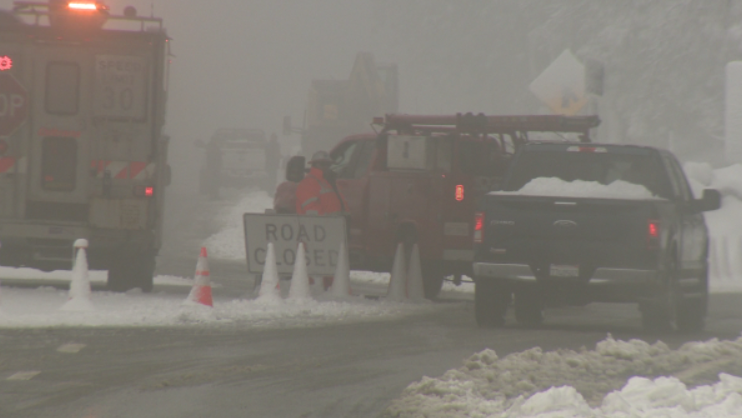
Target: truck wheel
[[432, 280], [691, 315], [131, 270], [659, 315], [490, 303], [529, 306]]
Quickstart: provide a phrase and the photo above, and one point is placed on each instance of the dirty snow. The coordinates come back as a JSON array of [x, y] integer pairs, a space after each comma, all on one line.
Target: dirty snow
[[549, 186], [618, 379], [229, 242]]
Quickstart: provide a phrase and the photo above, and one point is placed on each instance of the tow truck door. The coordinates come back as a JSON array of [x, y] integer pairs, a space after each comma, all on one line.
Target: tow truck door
[[59, 145]]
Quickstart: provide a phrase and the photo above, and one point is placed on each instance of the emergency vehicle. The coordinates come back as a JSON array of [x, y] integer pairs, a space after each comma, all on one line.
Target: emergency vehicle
[[241, 161], [419, 178], [82, 154]]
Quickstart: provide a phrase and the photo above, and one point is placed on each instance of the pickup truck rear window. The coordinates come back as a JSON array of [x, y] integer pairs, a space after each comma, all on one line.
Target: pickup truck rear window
[[603, 168]]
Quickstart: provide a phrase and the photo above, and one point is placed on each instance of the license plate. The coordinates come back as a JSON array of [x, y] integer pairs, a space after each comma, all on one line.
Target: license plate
[[556, 270]]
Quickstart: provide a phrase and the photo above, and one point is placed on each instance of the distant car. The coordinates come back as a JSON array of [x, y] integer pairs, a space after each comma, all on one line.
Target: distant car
[[632, 231], [234, 158]]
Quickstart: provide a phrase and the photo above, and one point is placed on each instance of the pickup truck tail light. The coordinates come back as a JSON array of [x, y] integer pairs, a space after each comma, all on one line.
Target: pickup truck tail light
[[653, 234], [479, 227]]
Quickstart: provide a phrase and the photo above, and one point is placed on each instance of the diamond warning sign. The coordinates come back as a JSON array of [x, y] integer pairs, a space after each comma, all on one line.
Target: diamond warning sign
[[562, 85]]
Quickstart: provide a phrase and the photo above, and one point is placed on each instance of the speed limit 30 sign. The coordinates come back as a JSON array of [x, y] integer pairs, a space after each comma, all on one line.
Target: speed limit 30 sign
[[120, 86]]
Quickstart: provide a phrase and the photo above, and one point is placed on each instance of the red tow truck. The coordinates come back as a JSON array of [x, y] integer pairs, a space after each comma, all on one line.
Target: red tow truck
[[418, 180]]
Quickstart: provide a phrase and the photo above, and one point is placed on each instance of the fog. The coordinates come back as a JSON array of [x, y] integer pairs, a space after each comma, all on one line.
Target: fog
[[249, 63]]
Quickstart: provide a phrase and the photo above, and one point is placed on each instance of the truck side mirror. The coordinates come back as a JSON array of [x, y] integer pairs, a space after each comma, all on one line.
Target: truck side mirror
[[711, 200], [295, 169]]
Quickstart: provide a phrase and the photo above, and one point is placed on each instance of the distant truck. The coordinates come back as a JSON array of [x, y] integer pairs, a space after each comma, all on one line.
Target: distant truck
[[82, 152], [419, 180], [236, 157], [338, 108], [639, 236]]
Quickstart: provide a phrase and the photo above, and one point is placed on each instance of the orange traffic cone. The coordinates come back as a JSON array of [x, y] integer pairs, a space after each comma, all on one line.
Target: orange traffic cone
[[201, 291]]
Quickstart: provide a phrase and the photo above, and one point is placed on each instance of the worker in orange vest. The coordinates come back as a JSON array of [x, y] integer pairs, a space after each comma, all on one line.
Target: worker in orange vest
[[317, 194]]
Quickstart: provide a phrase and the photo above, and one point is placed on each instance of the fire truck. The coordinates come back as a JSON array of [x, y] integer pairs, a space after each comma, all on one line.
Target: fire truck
[[82, 153], [419, 178]]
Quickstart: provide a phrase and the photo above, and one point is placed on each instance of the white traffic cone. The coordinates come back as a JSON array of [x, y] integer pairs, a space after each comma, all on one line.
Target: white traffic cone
[[80, 294], [300, 279], [397, 283], [201, 290], [341, 283], [270, 285], [415, 289]]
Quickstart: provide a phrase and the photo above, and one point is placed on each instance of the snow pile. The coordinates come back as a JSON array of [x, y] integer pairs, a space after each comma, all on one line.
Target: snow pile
[[568, 383], [725, 224], [229, 242], [546, 186], [34, 308]]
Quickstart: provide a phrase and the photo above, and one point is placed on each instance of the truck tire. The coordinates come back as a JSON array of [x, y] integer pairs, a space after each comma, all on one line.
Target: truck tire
[[131, 270], [691, 315], [432, 280], [490, 303], [658, 315], [529, 306]]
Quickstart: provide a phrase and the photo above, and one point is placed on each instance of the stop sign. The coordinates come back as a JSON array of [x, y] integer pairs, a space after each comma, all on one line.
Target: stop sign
[[13, 104]]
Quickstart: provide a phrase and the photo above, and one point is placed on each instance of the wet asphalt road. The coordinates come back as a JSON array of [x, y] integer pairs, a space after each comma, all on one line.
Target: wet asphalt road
[[351, 370]]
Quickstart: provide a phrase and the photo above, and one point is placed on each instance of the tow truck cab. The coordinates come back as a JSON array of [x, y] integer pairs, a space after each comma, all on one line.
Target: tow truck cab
[[89, 160], [419, 180]]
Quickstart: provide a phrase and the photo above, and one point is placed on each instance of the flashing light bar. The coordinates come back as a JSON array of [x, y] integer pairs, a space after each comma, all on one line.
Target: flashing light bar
[[84, 6]]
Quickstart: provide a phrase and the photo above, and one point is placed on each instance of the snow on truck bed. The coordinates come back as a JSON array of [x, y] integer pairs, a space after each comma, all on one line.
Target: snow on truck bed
[[556, 187], [603, 383]]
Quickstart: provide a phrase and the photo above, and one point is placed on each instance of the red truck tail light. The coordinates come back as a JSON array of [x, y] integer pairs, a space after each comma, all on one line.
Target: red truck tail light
[[478, 227], [144, 191], [459, 192], [653, 234]]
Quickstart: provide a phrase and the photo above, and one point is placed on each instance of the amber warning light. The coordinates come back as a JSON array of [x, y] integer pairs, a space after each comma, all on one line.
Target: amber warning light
[[6, 63], [83, 6]]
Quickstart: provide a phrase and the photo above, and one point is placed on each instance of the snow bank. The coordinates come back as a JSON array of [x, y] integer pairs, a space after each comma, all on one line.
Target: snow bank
[[569, 383], [34, 308], [229, 242], [618, 189]]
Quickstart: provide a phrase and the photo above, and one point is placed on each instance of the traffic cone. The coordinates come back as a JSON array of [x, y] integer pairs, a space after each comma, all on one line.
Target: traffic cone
[[270, 285], [415, 289], [397, 283], [341, 284], [300, 279], [201, 291], [80, 294]]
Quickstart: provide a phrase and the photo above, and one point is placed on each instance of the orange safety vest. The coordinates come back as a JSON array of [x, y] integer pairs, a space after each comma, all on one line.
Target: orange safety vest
[[315, 196]]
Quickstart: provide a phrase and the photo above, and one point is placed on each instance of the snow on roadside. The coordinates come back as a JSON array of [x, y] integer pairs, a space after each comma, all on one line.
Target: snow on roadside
[[64, 276], [548, 186], [618, 379], [35, 308], [229, 242]]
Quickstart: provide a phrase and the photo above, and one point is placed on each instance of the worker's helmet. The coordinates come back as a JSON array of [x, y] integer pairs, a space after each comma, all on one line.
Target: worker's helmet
[[320, 157]]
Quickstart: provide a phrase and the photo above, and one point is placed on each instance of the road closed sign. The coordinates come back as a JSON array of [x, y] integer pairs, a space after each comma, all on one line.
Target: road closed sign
[[322, 236]]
